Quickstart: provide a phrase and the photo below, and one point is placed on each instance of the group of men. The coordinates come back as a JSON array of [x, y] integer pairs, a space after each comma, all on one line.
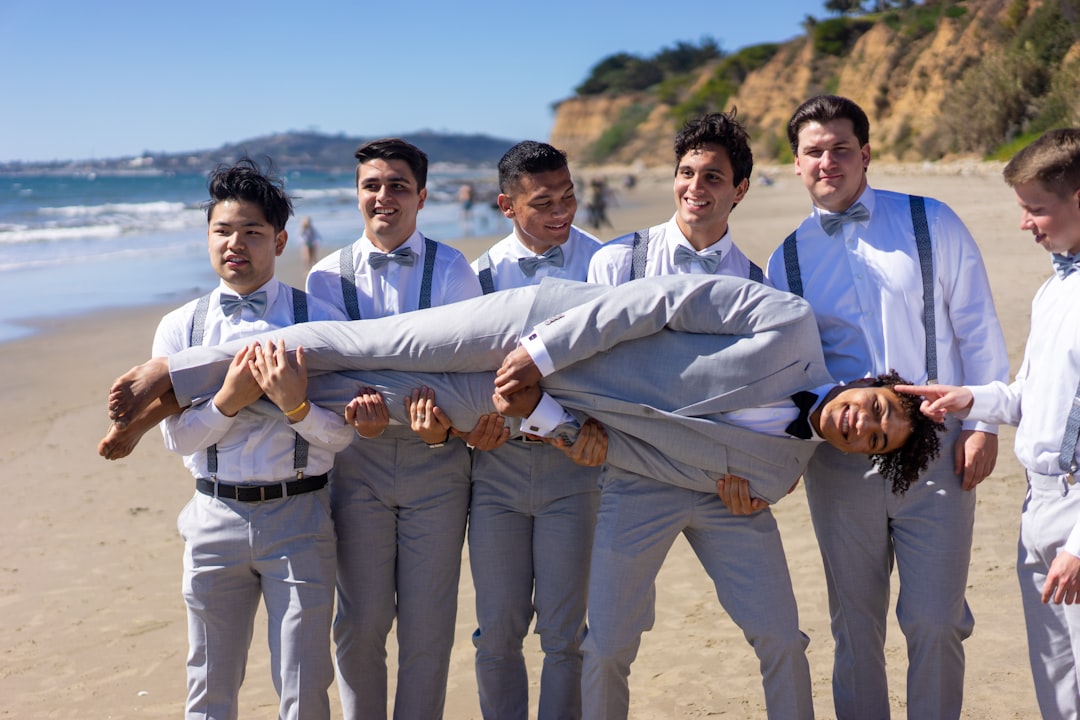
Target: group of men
[[680, 402]]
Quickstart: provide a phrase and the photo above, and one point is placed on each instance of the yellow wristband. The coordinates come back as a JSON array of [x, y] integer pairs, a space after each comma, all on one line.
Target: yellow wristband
[[298, 409]]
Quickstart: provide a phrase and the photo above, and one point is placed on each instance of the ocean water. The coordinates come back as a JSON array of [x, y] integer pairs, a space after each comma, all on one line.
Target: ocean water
[[78, 244]]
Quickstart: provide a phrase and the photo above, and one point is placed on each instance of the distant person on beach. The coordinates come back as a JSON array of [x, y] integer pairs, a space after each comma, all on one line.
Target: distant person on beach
[[533, 509], [467, 198], [258, 524], [597, 203], [309, 242], [400, 499], [646, 513], [861, 259], [1044, 403]]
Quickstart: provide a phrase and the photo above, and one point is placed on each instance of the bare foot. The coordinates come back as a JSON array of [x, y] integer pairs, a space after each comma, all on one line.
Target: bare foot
[[120, 440], [133, 391]]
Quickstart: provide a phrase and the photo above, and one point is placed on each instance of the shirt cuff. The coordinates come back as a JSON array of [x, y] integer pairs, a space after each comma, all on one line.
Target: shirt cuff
[[538, 352], [547, 416], [983, 398], [979, 426], [211, 417]]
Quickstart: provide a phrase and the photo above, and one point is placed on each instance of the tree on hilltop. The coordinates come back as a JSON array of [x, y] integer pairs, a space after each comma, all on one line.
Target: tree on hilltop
[[844, 7]]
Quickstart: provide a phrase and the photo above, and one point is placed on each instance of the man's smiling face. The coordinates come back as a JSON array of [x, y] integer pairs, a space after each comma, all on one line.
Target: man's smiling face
[[832, 164], [542, 208], [863, 419], [705, 193], [389, 201]]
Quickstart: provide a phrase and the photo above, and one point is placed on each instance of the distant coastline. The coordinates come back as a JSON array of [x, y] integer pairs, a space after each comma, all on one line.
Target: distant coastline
[[290, 151]]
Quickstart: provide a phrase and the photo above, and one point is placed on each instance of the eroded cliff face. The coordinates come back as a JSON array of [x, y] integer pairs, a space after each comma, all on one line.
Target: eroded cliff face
[[900, 83]]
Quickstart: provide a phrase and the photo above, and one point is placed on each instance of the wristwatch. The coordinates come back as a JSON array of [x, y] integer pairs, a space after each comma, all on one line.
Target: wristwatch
[[441, 443]]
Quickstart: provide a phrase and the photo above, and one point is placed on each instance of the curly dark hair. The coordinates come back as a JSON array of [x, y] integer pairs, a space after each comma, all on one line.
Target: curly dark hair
[[902, 466], [723, 130]]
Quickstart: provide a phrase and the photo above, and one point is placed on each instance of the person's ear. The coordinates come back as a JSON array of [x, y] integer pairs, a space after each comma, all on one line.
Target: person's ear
[[280, 242], [740, 190], [506, 205]]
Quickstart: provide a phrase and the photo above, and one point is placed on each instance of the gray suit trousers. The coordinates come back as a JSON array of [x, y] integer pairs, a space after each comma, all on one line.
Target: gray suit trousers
[[639, 520], [863, 529]]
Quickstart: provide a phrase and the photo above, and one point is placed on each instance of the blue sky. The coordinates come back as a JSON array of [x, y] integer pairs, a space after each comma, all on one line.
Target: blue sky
[[115, 78]]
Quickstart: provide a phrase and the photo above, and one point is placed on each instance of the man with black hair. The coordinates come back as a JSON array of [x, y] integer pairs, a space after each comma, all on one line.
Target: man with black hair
[[258, 524], [713, 162], [533, 508], [400, 494]]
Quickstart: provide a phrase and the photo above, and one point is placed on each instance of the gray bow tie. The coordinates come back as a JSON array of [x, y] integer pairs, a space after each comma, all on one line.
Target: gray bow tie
[[256, 302], [708, 263], [832, 223], [1064, 264], [404, 256], [553, 256]]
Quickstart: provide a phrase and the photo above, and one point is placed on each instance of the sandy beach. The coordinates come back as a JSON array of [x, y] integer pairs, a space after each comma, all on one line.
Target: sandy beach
[[94, 625]]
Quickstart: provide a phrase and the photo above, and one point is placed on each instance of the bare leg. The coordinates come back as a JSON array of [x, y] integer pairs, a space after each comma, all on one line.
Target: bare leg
[[119, 441], [132, 392]]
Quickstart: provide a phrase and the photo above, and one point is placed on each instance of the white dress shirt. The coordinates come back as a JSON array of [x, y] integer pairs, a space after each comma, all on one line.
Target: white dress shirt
[[1040, 399], [612, 263], [256, 446], [394, 288], [506, 273], [865, 285]]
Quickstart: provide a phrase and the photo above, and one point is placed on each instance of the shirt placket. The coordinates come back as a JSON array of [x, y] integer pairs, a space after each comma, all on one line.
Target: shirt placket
[[869, 295]]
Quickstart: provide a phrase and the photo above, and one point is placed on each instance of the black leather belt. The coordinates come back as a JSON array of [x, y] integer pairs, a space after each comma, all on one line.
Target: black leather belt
[[259, 493]]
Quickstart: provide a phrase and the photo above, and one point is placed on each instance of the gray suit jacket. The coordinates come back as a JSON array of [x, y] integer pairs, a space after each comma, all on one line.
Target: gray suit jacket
[[655, 361]]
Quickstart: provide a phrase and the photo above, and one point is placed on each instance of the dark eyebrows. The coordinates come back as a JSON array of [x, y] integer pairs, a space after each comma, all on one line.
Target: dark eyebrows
[[387, 181]]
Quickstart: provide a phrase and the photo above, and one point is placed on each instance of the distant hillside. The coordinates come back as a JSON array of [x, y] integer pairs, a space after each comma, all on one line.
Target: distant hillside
[[290, 151], [939, 78]]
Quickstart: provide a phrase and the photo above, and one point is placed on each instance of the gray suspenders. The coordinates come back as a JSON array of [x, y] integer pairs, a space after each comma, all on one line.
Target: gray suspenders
[[1067, 454], [195, 338], [483, 273], [348, 278], [640, 253], [926, 265]]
